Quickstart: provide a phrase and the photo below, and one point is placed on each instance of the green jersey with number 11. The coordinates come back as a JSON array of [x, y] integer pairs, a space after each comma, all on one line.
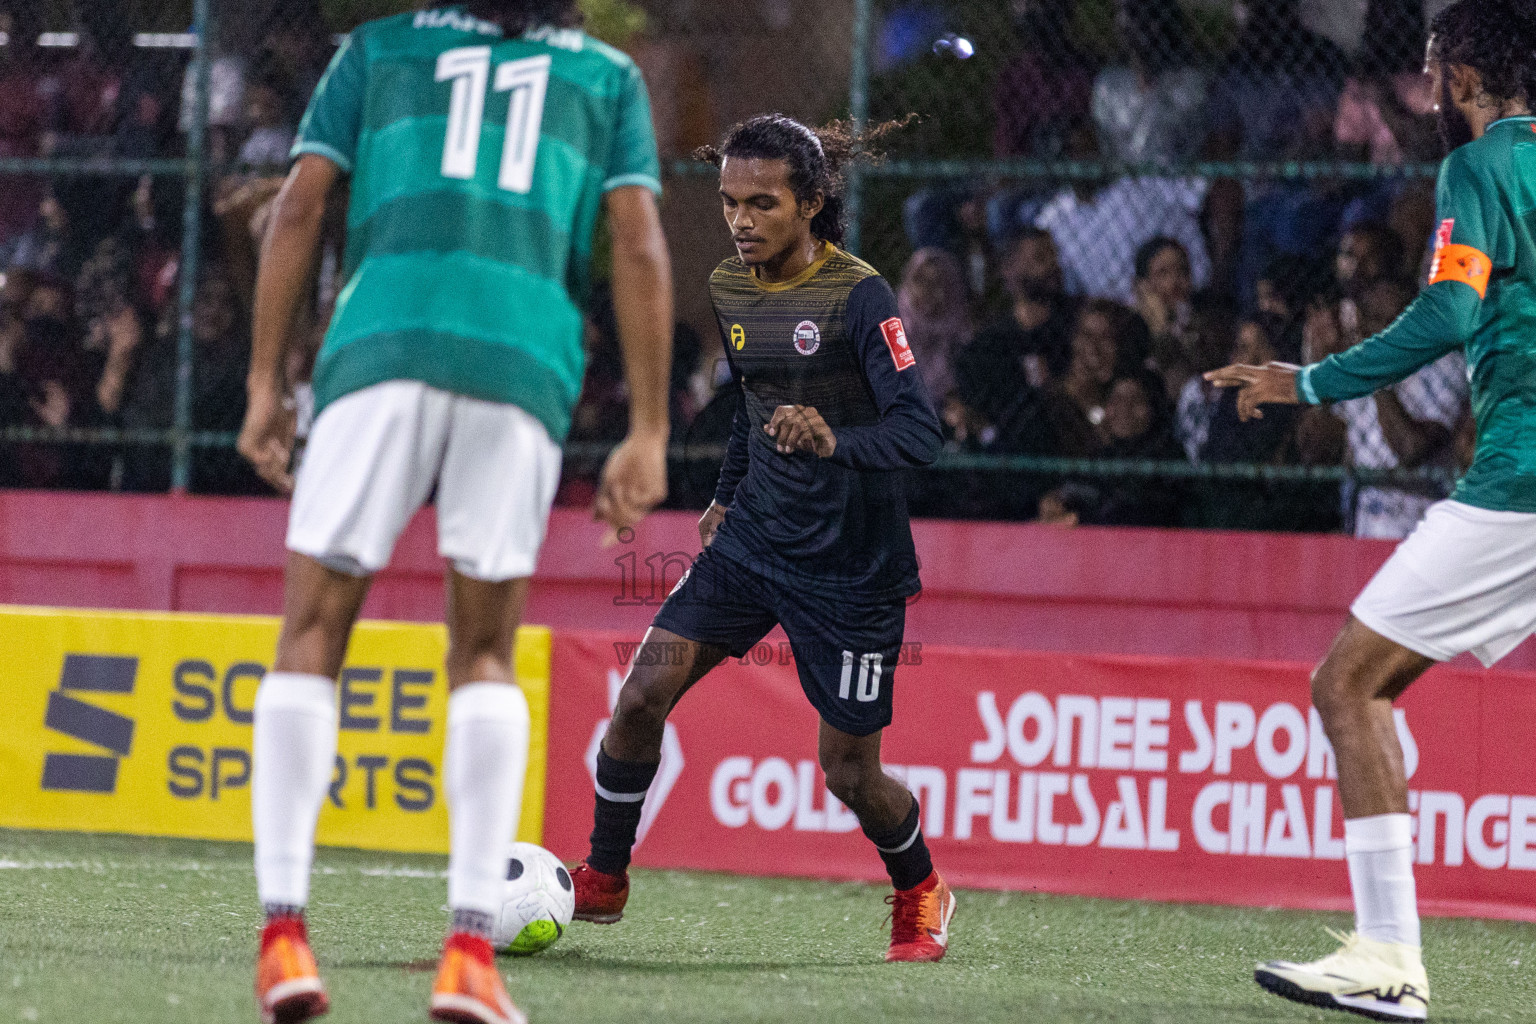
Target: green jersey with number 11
[[478, 168], [1481, 297]]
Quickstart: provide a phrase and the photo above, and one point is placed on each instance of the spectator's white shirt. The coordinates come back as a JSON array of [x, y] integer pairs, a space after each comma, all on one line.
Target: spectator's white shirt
[[1436, 394], [226, 93], [1098, 238], [267, 146]]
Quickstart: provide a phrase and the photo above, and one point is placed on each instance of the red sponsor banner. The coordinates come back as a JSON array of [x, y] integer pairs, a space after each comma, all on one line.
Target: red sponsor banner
[[1128, 777]]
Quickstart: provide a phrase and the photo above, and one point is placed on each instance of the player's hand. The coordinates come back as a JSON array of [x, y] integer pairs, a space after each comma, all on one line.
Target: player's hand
[[800, 428], [634, 482], [266, 439], [710, 521], [1271, 384]]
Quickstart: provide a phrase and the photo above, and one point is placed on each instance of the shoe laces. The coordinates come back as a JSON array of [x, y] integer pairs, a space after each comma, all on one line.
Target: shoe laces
[[1349, 943], [906, 915]]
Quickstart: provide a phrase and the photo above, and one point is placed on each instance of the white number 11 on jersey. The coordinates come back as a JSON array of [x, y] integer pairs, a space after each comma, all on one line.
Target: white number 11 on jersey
[[469, 69]]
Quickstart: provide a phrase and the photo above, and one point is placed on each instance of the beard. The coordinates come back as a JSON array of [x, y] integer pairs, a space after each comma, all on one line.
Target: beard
[[1455, 129]]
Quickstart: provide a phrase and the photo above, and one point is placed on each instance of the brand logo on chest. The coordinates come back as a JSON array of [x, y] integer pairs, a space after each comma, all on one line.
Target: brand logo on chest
[[807, 338]]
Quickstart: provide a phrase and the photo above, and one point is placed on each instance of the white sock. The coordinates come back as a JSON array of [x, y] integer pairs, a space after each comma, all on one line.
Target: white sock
[[483, 765], [294, 753], [1380, 854]]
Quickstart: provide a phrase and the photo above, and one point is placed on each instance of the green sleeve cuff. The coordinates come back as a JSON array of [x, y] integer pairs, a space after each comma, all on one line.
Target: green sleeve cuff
[[1304, 389]]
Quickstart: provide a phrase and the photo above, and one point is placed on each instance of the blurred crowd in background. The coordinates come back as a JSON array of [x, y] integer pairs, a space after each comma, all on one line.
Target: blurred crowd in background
[[1067, 315]]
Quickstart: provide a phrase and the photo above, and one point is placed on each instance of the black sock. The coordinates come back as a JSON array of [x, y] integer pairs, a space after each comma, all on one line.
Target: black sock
[[282, 910], [904, 851], [617, 815]]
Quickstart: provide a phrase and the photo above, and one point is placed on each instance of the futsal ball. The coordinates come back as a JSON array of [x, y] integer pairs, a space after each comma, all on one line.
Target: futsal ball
[[536, 903]]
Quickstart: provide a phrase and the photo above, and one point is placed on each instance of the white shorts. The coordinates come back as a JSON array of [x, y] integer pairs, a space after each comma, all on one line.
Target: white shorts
[[1464, 580], [375, 455]]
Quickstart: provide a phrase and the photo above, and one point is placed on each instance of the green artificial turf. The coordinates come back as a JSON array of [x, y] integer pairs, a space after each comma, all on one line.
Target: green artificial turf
[[106, 928]]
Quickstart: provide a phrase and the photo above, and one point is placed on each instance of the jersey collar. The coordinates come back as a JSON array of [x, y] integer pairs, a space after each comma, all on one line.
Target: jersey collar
[[1511, 120], [827, 249]]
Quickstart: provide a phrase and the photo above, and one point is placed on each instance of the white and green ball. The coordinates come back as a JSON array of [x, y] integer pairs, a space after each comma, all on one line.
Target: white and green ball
[[537, 903]]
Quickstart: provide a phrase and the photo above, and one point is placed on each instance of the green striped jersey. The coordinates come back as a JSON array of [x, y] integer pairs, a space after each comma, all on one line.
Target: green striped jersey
[[478, 165]]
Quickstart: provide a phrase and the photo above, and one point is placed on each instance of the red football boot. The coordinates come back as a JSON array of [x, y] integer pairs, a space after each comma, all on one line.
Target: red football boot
[[600, 897], [288, 986], [468, 989], [920, 921]]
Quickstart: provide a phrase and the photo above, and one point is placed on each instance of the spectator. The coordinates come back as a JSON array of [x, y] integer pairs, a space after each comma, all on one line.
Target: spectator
[[1276, 99], [1386, 111], [1134, 427], [1043, 89], [221, 355], [1098, 229], [295, 53], [1164, 298], [1000, 375], [1108, 342], [23, 117], [1277, 92], [1406, 426], [935, 308], [1151, 109], [1213, 342], [1368, 254]]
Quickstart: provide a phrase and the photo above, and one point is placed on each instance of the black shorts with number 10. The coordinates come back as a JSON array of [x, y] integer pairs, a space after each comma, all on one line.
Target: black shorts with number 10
[[845, 652]]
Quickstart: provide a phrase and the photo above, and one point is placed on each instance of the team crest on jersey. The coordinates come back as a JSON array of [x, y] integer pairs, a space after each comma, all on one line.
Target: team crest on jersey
[[738, 337], [807, 338]]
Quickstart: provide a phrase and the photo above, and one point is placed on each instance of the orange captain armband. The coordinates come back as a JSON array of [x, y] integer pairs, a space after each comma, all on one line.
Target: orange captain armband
[[1462, 263]]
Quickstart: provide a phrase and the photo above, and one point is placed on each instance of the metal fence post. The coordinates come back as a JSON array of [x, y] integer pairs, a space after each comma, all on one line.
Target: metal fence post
[[858, 108], [191, 245]]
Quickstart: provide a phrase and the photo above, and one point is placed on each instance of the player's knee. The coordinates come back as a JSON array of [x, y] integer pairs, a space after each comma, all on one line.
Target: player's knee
[[642, 704], [1334, 689], [849, 777]]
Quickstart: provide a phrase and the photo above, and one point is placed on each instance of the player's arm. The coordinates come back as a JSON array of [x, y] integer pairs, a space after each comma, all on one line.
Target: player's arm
[[635, 478], [908, 434], [733, 470], [1476, 239], [324, 149], [287, 261]]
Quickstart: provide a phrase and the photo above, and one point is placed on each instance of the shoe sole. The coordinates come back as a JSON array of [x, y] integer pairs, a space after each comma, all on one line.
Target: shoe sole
[[465, 1010], [295, 1002], [1285, 989], [599, 918]]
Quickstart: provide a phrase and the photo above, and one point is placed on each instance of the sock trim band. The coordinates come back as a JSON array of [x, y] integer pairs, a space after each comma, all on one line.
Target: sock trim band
[[620, 798], [904, 847], [1378, 834]]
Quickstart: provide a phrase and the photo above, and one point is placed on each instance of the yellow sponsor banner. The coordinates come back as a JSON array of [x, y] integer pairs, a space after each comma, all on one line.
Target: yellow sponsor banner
[[141, 723]]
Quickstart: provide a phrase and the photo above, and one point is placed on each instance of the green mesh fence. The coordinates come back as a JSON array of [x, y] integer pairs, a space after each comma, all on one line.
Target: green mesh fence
[[1285, 151]]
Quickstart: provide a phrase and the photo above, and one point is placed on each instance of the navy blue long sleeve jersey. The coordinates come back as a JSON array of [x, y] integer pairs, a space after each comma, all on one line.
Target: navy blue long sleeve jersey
[[831, 338]]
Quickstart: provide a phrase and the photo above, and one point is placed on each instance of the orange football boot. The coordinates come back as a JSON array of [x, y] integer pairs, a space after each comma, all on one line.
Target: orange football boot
[[468, 989], [920, 921], [600, 897], [288, 986]]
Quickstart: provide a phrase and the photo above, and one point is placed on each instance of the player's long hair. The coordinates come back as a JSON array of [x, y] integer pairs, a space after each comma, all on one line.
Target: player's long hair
[[817, 158], [1497, 39], [517, 16]]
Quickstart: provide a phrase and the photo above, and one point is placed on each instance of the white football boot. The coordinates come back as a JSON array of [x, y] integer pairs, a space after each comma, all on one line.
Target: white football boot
[[1380, 980]]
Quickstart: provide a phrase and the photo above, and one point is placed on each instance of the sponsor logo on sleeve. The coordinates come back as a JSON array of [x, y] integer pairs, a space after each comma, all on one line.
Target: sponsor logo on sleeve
[[896, 341]]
